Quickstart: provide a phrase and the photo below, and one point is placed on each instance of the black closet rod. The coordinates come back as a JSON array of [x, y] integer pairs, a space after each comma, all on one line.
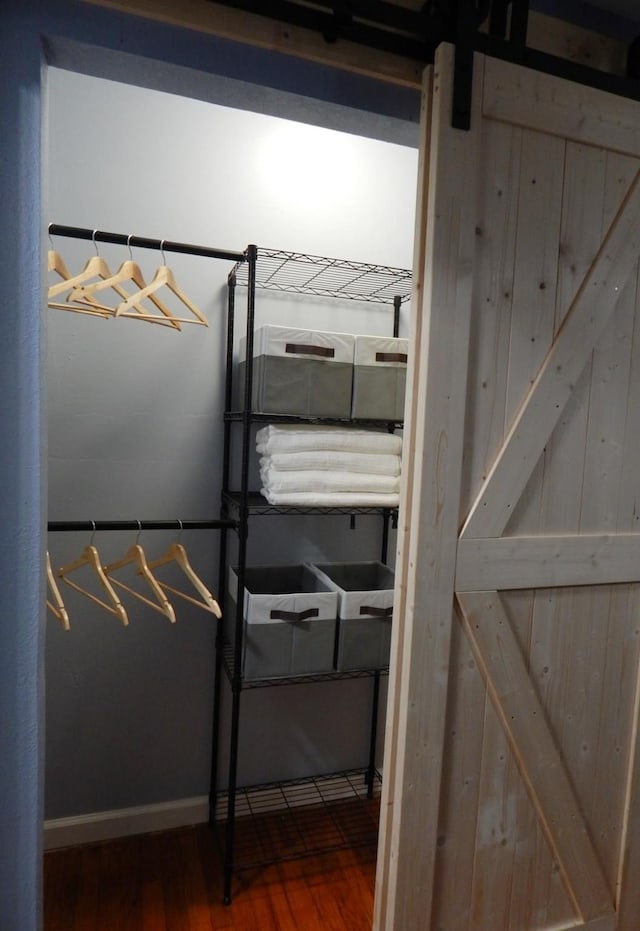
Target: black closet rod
[[123, 239], [56, 526]]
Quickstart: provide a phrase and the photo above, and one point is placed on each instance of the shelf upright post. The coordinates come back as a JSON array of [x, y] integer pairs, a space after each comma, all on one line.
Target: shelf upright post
[[386, 516], [236, 680], [375, 703], [397, 303], [375, 700], [384, 548], [222, 559], [228, 382]]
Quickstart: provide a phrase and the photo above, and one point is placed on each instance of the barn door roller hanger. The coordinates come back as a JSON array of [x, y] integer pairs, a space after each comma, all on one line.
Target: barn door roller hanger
[[497, 28]]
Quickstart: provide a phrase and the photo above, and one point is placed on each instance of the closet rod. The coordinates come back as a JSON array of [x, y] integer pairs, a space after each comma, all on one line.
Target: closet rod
[[56, 526], [123, 239]]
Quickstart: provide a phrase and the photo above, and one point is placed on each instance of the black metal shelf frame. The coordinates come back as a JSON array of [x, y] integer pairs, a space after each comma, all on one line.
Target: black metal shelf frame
[[269, 269]]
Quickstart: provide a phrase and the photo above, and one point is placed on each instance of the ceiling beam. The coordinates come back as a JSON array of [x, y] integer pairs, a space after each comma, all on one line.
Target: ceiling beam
[[232, 20], [261, 31]]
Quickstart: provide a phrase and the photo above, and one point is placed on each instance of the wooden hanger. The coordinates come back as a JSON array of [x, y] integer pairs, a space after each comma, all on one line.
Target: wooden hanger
[[56, 606], [90, 557], [163, 277], [137, 556], [55, 263], [95, 267], [128, 271], [85, 302], [177, 553]]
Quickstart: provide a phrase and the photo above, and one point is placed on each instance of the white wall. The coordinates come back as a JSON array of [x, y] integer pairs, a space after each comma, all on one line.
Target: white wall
[[135, 424]]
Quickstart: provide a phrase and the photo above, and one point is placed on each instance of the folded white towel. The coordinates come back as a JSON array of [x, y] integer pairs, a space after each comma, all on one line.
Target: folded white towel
[[325, 481], [373, 463], [335, 499], [280, 438]]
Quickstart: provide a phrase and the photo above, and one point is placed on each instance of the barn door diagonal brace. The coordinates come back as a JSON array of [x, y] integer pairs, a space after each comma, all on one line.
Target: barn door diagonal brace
[[522, 715]]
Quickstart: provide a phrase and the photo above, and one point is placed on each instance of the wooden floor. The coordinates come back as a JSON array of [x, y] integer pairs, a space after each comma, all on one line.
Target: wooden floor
[[172, 881]]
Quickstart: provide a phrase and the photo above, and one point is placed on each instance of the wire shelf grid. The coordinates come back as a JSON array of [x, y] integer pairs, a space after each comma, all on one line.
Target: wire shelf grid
[[259, 506], [296, 272], [304, 817], [305, 679]]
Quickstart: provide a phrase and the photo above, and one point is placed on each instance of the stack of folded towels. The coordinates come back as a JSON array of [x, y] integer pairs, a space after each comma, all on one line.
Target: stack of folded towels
[[329, 466]]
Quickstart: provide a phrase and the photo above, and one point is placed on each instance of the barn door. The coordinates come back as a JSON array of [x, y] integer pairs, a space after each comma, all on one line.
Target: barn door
[[511, 796]]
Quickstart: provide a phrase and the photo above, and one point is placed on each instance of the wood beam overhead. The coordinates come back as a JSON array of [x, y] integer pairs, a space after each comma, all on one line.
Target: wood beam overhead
[[262, 31]]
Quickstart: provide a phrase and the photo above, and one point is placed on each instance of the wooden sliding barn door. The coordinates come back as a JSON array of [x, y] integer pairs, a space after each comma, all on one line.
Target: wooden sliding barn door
[[511, 796]]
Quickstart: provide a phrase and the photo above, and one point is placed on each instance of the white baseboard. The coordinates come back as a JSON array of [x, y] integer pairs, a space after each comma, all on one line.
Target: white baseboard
[[122, 822]]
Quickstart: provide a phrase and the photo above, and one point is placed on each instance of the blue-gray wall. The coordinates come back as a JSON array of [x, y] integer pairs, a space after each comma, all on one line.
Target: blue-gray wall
[[21, 499]]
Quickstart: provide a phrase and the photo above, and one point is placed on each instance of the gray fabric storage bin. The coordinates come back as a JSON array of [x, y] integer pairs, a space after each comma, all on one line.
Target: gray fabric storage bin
[[301, 372], [289, 619], [365, 607], [379, 377]]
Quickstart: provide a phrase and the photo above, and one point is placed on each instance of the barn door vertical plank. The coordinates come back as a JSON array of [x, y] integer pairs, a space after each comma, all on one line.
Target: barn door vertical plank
[[538, 897], [488, 369], [610, 373], [496, 828], [539, 759], [563, 365], [492, 303], [552, 637], [460, 783], [504, 804], [534, 288], [581, 235], [440, 410], [628, 496], [532, 326], [580, 238], [595, 631], [412, 429], [628, 610], [627, 887]]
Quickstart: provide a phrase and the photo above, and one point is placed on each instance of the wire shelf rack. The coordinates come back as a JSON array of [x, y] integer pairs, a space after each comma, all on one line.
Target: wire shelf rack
[[229, 668], [256, 417], [296, 272], [259, 506], [304, 817]]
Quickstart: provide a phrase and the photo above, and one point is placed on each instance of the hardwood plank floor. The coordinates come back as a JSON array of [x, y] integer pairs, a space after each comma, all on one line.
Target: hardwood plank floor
[[172, 881]]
